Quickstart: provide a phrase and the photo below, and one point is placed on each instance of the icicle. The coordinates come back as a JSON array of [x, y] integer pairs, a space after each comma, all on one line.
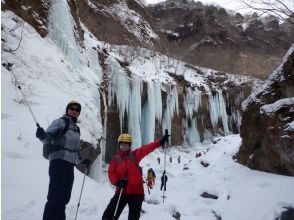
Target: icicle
[[223, 112], [119, 88], [158, 102], [148, 116], [96, 168], [103, 142], [217, 109], [134, 115], [207, 135], [194, 137], [190, 134], [185, 131], [192, 101], [61, 30], [173, 102], [172, 106]]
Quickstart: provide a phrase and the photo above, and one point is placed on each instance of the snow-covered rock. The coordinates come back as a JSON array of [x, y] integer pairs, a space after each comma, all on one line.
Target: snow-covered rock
[[267, 122]]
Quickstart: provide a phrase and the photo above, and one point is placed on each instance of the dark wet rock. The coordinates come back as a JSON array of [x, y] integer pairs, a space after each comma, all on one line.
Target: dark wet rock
[[288, 214], [176, 215], [205, 164], [89, 152], [218, 217], [209, 195]]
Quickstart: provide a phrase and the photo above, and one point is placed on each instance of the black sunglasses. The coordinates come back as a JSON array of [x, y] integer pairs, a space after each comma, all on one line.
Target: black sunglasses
[[75, 109]]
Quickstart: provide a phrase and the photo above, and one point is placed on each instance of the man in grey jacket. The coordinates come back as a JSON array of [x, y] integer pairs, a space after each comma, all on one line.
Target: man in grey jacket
[[62, 138]]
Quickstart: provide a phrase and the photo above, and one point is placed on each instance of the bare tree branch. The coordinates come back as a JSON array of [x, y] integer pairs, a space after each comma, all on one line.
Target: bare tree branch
[[21, 36], [277, 8]]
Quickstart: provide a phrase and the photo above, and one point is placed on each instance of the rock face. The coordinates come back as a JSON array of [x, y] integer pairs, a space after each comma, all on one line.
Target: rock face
[[197, 34], [35, 12], [267, 128], [89, 152], [183, 29]]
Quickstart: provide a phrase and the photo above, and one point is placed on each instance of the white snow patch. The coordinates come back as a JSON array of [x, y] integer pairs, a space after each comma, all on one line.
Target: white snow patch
[[272, 108], [290, 126]]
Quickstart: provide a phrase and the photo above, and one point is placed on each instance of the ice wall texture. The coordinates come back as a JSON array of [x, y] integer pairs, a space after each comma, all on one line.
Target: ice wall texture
[[61, 30]]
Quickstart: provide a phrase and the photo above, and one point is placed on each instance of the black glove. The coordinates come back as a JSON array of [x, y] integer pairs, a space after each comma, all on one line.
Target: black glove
[[40, 133], [164, 139], [121, 183], [86, 162]]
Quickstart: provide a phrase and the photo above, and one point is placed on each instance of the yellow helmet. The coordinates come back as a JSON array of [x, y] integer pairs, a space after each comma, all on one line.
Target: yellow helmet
[[125, 138]]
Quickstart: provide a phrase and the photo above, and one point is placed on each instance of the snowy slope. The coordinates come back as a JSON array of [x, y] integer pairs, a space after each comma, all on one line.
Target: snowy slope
[[49, 81]]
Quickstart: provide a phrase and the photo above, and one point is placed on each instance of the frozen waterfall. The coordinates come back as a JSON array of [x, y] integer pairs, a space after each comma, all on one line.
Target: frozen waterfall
[[61, 30], [134, 115], [217, 109], [151, 111], [172, 107]]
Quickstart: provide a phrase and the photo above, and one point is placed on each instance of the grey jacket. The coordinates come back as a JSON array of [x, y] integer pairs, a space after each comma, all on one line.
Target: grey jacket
[[70, 141]]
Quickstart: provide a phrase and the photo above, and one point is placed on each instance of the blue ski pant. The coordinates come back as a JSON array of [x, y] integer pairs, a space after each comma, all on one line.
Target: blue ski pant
[[61, 174]]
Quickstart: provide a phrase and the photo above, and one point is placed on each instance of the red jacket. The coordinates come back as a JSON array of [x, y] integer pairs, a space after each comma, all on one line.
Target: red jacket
[[126, 166]]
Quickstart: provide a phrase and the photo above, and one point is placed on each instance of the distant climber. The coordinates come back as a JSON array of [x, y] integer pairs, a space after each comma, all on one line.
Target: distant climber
[[164, 179], [150, 178], [158, 160], [198, 154]]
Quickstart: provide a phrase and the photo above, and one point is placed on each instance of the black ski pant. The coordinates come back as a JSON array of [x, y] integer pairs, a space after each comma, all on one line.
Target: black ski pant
[[61, 174], [134, 202]]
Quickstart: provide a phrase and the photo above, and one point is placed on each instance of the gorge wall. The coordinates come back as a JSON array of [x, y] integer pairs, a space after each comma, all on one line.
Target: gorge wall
[[267, 128]]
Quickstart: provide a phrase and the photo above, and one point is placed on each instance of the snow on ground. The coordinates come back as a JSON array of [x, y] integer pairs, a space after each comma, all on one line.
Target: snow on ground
[[242, 193]]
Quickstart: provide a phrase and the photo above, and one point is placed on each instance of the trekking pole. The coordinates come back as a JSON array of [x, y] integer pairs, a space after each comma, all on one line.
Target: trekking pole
[[164, 167], [9, 68], [120, 193], [148, 188], [116, 207], [81, 193]]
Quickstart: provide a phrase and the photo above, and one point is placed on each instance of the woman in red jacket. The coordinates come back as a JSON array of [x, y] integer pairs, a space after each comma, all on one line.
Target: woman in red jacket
[[124, 172]]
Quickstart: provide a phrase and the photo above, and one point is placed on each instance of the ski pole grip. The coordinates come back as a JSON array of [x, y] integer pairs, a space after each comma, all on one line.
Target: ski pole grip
[[38, 125]]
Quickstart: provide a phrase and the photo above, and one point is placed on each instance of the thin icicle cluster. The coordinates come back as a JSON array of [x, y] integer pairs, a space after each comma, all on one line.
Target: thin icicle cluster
[[207, 135], [151, 111], [192, 101], [190, 134], [61, 30], [134, 113], [158, 101], [172, 107], [217, 109], [119, 88]]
